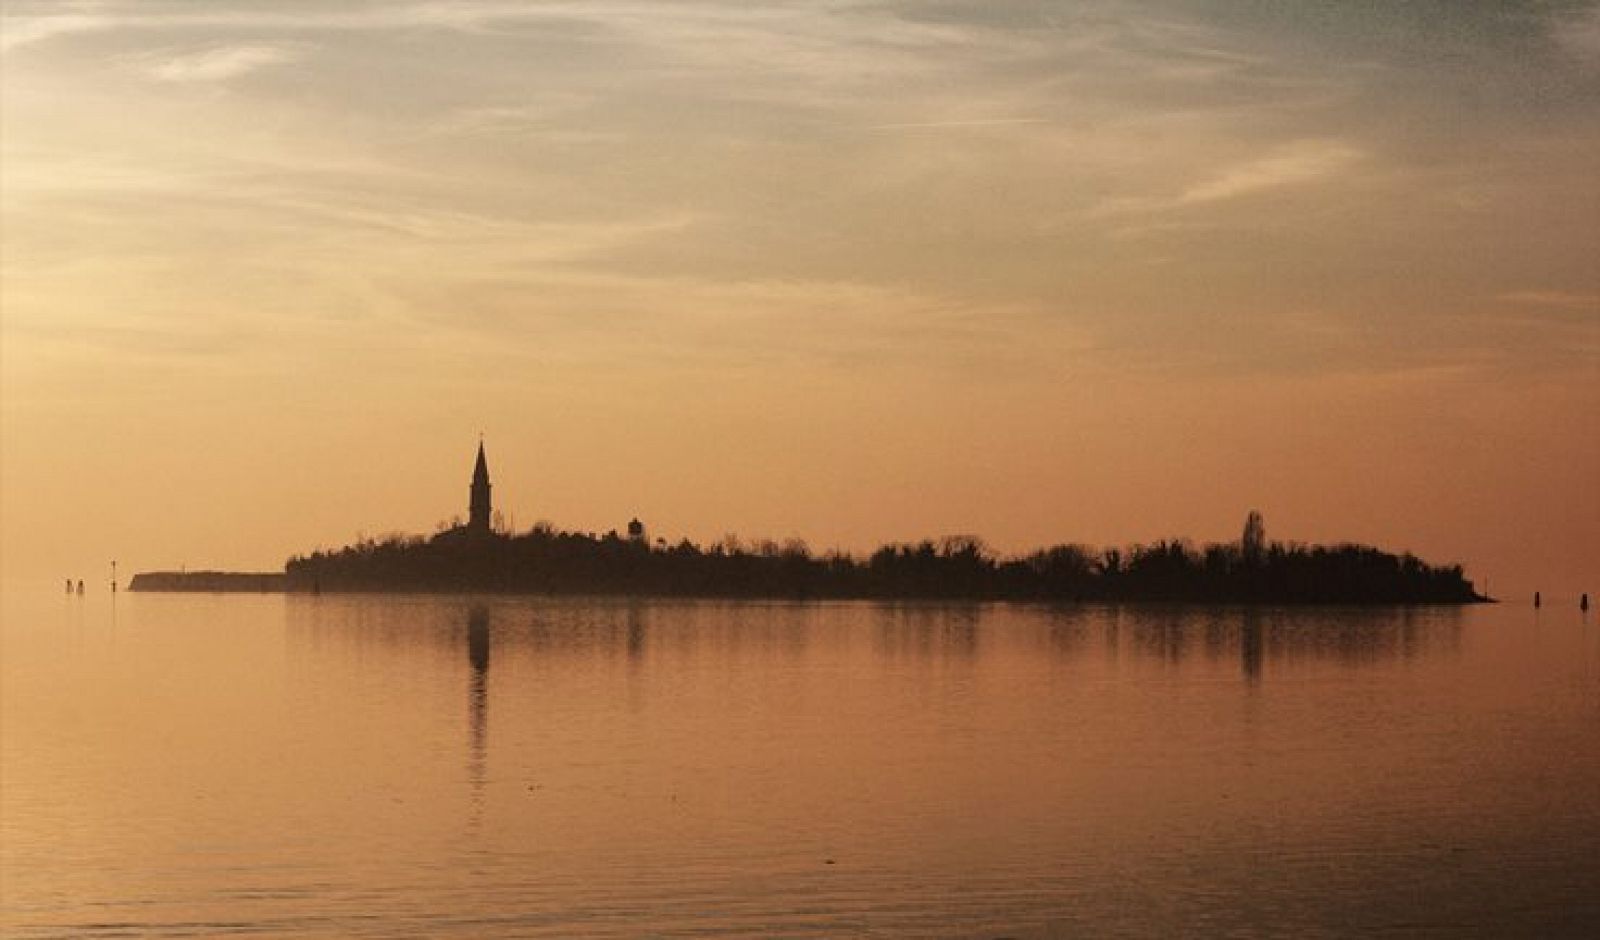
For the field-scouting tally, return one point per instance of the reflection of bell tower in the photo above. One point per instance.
(478, 508)
(477, 706)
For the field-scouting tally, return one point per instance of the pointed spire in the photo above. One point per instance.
(478, 507)
(480, 472)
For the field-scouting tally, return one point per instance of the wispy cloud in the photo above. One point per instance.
(19, 31)
(1297, 163)
(1565, 300)
(673, 319)
(992, 122)
(219, 64)
(1579, 34)
(1291, 165)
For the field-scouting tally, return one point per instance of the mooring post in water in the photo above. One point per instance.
(80, 587)
(113, 576)
(69, 585)
(1536, 600)
(1583, 602)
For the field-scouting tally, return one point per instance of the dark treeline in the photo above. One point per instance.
(545, 560)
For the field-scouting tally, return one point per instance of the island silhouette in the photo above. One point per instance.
(478, 556)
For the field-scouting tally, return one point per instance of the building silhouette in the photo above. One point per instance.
(478, 508)
(479, 526)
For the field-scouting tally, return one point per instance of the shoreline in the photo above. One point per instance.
(231, 582)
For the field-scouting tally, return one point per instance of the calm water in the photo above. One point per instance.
(200, 765)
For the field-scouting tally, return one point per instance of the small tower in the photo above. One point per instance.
(478, 511)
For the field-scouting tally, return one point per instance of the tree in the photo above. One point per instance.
(1253, 544)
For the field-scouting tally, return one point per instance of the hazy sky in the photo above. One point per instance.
(850, 271)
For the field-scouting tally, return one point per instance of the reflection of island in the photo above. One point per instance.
(476, 556)
(1258, 635)
(574, 635)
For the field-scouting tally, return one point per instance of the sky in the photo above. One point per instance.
(851, 272)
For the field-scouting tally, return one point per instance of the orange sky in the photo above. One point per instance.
(849, 272)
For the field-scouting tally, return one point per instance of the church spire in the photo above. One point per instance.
(478, 507)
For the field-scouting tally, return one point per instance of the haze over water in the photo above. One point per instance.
(366, 766)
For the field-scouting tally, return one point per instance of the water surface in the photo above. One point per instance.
(368, 766)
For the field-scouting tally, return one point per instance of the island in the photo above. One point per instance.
(477, 556)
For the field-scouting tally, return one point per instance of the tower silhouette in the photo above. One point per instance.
(478, 507)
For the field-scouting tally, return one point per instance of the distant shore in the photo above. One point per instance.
(240, 582)
(544, 561)
(233, 582)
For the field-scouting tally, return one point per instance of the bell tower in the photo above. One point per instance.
(478, 507)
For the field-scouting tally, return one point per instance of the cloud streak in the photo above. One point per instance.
(220, 64)
(1564, 300)
(19, 31)
(1295, 164)
(1579, 34)
(991, 122)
